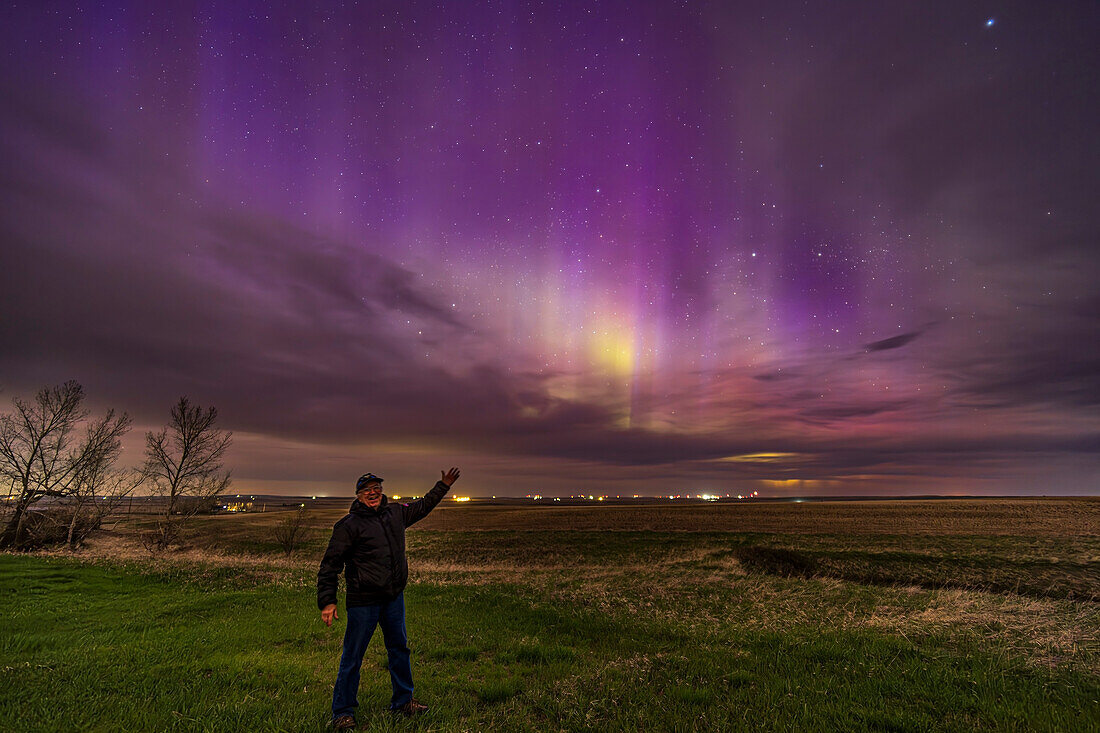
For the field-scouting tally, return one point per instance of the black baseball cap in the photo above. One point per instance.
(365, 479)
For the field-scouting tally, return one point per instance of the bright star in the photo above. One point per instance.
(989, 23)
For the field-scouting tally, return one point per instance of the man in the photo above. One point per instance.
(369, 546)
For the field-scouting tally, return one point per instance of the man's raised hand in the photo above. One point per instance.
(450, 477)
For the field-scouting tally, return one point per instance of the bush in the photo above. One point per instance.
(290, 531)
(45, 527)
(166, 531)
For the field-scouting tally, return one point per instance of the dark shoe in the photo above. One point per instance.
(344, 722)
(411, 708)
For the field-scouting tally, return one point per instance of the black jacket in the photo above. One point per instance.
(369, 546)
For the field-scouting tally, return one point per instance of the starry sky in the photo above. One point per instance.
(803, 248)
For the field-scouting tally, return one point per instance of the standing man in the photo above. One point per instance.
(369, 546)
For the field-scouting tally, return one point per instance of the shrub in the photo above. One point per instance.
(45, 527)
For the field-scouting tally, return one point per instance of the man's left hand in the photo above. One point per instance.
(450, 477)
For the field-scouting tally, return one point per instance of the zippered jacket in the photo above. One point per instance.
(368, 545)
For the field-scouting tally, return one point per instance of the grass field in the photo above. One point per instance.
(890, 616)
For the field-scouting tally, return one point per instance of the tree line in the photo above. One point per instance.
(52, 452)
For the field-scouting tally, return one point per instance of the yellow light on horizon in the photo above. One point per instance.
(761, 457)
(801, 483)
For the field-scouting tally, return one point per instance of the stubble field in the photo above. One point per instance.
(938, 615)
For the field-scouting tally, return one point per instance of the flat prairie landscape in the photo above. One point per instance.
(907, 615)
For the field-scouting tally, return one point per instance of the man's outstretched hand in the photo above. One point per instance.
(450, 477)
(328, 613)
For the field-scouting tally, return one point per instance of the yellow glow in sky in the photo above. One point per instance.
(761, 457)
(611, 349)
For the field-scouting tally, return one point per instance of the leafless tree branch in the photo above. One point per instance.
(42, 456)
(183, 463)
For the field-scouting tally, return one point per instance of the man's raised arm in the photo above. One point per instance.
(416, 510)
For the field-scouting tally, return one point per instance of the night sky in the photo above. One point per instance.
(627, 248)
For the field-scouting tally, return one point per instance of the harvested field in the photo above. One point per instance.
(832, 616)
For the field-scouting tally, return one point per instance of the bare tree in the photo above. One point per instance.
(183, 462)
(99, 490)
(290, 531)
(41, 454)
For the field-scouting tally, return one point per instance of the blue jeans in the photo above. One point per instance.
(361, 622)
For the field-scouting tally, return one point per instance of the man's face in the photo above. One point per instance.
(371, 494)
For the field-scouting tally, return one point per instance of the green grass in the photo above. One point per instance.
(550, 631)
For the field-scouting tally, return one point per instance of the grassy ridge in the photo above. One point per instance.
(560, 631)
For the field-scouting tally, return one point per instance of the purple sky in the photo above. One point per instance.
(800, 248)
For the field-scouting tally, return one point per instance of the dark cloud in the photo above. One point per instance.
(894, 342)
(276, 324)
(775, 376)
(826, 414)
(1059, 367)
(399, 289)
